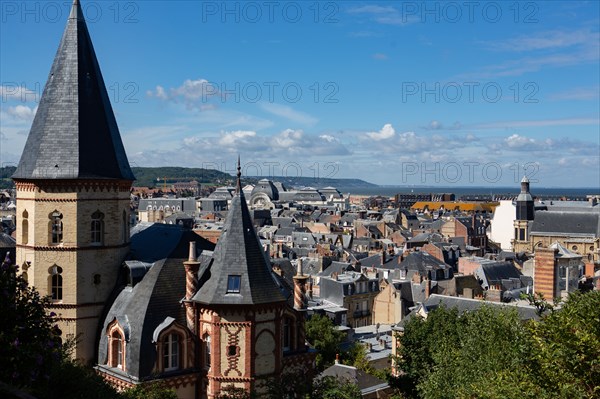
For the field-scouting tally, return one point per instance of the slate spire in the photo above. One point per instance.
(74, 134)
(239, 253)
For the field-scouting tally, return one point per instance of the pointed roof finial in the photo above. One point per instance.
(239, 176)
(75, 11)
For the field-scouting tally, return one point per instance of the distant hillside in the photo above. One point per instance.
(5, 173)
(156, 177)
(319, 182)
(152, 177)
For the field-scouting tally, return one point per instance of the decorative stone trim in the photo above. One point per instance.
(61, 248)
(71, 185)
(72, 199)
(74, 306)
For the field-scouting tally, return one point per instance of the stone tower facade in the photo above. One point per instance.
(73, 192)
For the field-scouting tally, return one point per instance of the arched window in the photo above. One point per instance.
(97, 228)
(116, 349)
(171, 352)
(25, 228)
(207, 351)
(56, 227)
(56, 282)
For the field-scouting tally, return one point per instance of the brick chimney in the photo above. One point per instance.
(545, 274)
(494, 293)
(191, 285)
(300, 280)
(427, 282)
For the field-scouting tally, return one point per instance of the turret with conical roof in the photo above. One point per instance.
(74, 133)
(240, 272)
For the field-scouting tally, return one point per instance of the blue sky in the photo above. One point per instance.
(397, 93)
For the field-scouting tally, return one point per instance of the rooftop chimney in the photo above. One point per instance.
(191, 285)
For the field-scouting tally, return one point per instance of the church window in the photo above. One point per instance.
(56, 282)
(97, 228)
(233, 283)
(25, 228)
(574, 247)
(56, 227)
(171, 352)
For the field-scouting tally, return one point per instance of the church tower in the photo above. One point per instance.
(524, 215)
(73, 188)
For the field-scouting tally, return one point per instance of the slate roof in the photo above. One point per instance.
(156, 288)
(569, 223)
(74, 133)
(494, 273)
(348, 374)
(422, 261)
(239, 252)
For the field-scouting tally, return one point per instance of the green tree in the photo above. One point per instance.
(325, 338)
(31, 352)
(231, 392)
(490, 359)
(149, 390)
(480, 354)
(29, 339)
(331, 388)
(422, 340)
(566, 347)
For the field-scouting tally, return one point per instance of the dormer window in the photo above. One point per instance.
(171, 352)
(233, 284)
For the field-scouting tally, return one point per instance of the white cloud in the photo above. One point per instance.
(520, 142)
(552, 39)
(194, 93)
(539, 123)
(22, 112)
(578, 93)
(289, 113)
(288, 139)
(236, 138)
(386, 132)
(372, 9)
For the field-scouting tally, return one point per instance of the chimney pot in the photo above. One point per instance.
(192, 255)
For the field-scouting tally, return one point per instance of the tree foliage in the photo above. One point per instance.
(491, 353)
(331, 388)
(566, 347)
(151, 390)
(29, 338)
(325, 338)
